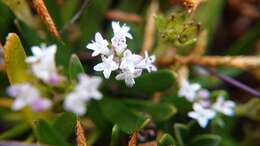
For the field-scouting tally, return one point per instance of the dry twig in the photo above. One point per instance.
(150, 26)
(123, 16)
(45, 16)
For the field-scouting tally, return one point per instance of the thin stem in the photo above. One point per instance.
(235, 83)
(76, 16)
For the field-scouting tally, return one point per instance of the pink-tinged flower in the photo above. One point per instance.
(129, 76)
(225, 107)
(27, 95)
(130, 61)
(43, 62)
(188, 90)
(201, 114)
(99, 46)
(107, 66)
(147, 63)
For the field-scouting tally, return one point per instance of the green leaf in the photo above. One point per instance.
(65, 124)
(206, 140)
(158, 111)
(115, 136)
(166, 140)
(48, 135)
(6, 19)
(16, 131)
(14, 57)
(182, 133)
(117, 113)
(251, 109)
(210, 20)
(55, 12)
(146, 83)
(75, 67)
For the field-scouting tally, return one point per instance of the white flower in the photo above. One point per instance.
(130, 61)
(89, 86)
(121, 32)
(129, 76)
(188, 90)
(74, 103)
(26, 94)
(147, 63)
(43, 62)
(225, 107)
(119, 38)
(99, 46)
(203, 98)
(85, 90)
(107, 66)
(201, 115)
(119, 44)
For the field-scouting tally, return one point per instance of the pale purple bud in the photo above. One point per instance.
(203, 94)
(39, 104)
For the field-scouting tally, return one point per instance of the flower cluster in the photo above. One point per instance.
(204, 110)
(116, 56)
(44, 68)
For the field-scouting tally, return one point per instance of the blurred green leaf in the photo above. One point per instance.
(48, 135)
(182, 134)
(68, 9)
(75, 67)
(6, 18)
(146, 83)
(16, 131)
(166, 140)
(29, 35)
(243, 44)
(206, 140)
(127, 120)
(65, 124)
(251, 109)
(158, 111)
(208, 14)
(55, 12)
(91, 19)
(14, 56)
(115, 136)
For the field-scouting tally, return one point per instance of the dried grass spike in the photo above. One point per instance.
(45, 16)
(81, 140)
(133, 139)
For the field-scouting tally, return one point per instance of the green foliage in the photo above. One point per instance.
(178, 29)
(115, 136)
(14, 56)
(47, 134)
(16, 131)
(251, 109)
(158, 112)
(182, 134)
(75, 67)
(146, 83)
(65, 123)
(206, 140)
(118, 113)
(166, 140)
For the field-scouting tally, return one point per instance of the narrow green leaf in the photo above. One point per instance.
(117, 113)
(14, 57)
(206, 140)
(48, 135)
(55, 12)
(182, 133)
(115, 136)
(65, 124)
(166, 140)
(16, 131)
(75, 67)
(158, 111)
